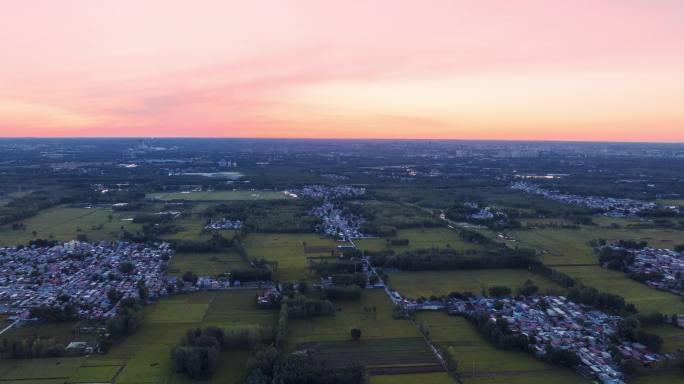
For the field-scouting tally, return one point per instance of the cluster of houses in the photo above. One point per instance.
(558, 322)
(663, 268)
(81, 274)
(610, 206)
(223, 224)
(334, 176)
(324, 192)
(336, 223)
(484, 213)
(551, 321)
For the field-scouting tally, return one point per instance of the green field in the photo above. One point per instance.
(206, 264)
(377, 355)
(418, 238)
(414, 378)
(289, 250)
(145, 356)
(40, 371)
(571, 246)
(374, 325)
(416, 284)
(219, 196)
(644, 297)
(65, 224)
(673, 337)
(387, 344)
(665, 376)
(480, 362)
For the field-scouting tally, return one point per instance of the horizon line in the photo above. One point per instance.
(338, 139)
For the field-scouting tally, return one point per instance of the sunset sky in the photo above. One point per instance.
(543, 70)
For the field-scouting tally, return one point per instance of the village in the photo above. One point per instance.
(82, 274)
(662, 269)
(223, 224)
(610, 206)
(336, 223)
(551, 322)
(323, 192)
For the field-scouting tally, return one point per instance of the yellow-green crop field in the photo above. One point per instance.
(289, 250)
(65, 223)
(438, 283)
(145, 357)
(220, 196)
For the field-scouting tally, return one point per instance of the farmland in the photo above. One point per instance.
(438, 283)
(289, 251)
(645, 298)
(388, 345)
(219, 196)
(415, 378)
(418, 238)
(480, 362)
(571, 246)
(377, 324)
(65, 223)
(145, 356)
(206, 264)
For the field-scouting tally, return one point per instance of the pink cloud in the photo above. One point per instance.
(228, 68)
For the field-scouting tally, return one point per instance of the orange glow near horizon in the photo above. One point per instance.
(607, 70)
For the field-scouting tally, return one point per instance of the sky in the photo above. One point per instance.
(596, 70)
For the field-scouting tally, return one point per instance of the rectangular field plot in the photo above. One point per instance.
(673, 337)
(64, 224)
(289, 250)
(220, 196)
(374, 324)
(377, 355)
(571, 246)
(438, 283)
(96, 373)
(644, 297)
(205, 264)
(480, 362)
(413, 378)
(419, 238)
(146, 355)
(49, 370)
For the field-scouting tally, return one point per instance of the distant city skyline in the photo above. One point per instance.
(446, 69)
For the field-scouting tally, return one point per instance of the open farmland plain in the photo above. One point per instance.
(66, 223)
(145, 356)
(645, 298)
(206, 264)
(220, 196)
(480, 362)
(387, 345)
(441, 283)
(289, 251)
(571, 246)
(419, 238)
(413, 378)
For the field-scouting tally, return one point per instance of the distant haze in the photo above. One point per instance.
(545, 70)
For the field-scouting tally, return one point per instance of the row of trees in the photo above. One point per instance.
(198, 352)
(33, 347)
(343, 292)
(303, 307)
(269, 365)
(580, 293)
(450, 259)
(630, 328)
